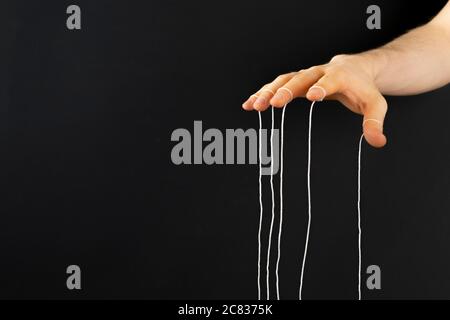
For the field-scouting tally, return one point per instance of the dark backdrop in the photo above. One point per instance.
(88, 178)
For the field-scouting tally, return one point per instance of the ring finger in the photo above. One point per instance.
(268, 91)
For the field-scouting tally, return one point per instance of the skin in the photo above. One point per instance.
(417, 62)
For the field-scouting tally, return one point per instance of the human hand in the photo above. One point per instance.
(349, 79)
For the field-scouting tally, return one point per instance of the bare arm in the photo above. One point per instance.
(416, 62)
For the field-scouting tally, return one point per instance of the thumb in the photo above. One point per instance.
(373, 122)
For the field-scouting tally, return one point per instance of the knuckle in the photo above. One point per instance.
(364, 105)
(337, 75)
(325, 79)
(314, 69)
(336, 71)
(338, 58)
(267, 90)
(383, 104)
(279, 78)
(282, 77)
(298, 76)
(374, 101)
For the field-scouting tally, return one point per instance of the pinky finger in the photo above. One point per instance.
(248, 105)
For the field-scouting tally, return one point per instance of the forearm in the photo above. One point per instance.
(416, 62)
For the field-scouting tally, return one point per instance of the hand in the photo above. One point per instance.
(350, 79)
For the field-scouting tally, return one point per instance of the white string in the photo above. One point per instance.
(273, 207)
(309, 199)
(359, 216)
(281, 206)
(281, 202)
(260, 207)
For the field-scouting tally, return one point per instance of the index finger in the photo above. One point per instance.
(298, 86)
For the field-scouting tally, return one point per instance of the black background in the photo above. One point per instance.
(88, 177)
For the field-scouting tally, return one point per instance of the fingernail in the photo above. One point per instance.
(259, 102)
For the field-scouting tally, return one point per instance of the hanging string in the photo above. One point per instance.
(281, 205)
(281, 202)
(359, 216)
(273, 207)
(309, 199)
(380, 123)
(260, 206)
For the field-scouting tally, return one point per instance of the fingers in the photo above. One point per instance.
(374, 114)
(284, 89)
(350, 86)
(258, 101)
(297, 86)
(262, 102)
(248, 105)
(263, 96)
(328, 85)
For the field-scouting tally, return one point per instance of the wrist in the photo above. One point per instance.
(373, 62)
(370, 63)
